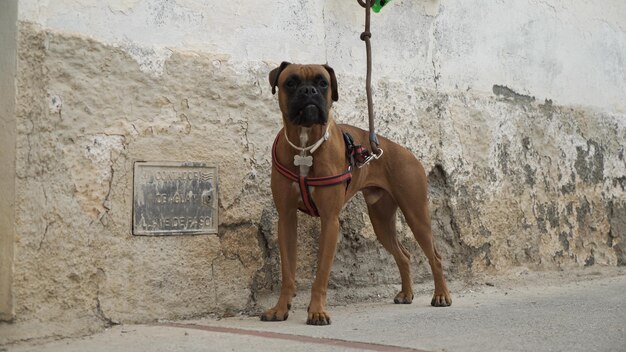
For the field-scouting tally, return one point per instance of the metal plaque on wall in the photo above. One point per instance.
(171, 198)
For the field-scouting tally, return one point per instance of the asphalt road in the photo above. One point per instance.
(574, 313)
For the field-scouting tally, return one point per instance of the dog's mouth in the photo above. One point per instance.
(310, 115)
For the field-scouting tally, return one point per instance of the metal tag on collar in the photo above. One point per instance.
(303, 160)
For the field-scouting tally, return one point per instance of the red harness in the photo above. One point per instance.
(306, 182)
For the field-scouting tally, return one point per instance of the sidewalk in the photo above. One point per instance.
(586, 314)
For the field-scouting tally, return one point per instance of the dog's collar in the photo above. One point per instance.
(305, 182)
(312, 148)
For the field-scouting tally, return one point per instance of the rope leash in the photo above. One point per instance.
(365, 36)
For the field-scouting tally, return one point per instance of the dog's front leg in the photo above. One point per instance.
(287, 244)
(325, 256)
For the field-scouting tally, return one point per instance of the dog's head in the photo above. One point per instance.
(305, 92)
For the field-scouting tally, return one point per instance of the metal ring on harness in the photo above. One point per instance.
(371, 157)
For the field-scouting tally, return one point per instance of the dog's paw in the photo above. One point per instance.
(403, 298)
(275, 314)
(318, 318)
(441, 300)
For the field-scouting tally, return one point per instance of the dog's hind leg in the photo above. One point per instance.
(413, 201)
(382, 210)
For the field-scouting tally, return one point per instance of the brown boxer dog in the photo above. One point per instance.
(310, 150)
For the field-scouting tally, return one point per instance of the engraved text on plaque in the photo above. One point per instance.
(174, 198)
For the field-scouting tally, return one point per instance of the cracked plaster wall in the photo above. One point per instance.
(515, 180)
(8, 41)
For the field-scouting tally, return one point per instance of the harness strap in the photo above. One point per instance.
(309, 204)
(356, 153)
(305, 182)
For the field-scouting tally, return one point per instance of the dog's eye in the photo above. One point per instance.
(323, 84)
(290, 84)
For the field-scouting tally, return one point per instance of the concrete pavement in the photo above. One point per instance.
(584, 311)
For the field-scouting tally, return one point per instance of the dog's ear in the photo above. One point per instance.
(333, 82)
(275, 73)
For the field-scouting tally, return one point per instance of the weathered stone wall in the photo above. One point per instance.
(8, 43)
(514, 180)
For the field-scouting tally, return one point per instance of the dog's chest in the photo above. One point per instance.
(303, 160)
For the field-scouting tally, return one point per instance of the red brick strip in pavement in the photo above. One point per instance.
(364, 346)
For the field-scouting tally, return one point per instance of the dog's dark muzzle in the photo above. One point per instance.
(308, 107)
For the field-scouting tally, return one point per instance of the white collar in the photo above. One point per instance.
(312, 148)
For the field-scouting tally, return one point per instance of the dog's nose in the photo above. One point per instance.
(307, 91)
